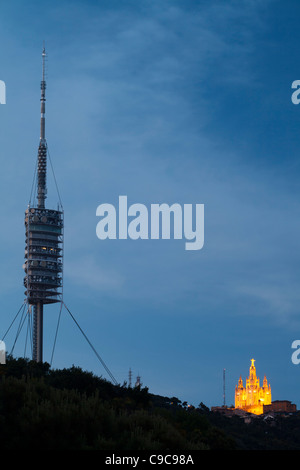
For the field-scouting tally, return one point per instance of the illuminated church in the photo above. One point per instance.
(252, 397)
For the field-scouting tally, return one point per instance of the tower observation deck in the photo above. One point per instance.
(44, 242)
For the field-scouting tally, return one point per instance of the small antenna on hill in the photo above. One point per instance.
(224, 394)
(130, 377)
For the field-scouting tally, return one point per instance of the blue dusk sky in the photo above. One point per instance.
(165, 102)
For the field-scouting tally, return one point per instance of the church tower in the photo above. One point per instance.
(252, 397)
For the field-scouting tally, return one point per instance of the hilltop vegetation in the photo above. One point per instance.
(72, 409)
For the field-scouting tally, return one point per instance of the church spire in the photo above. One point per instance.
(252, 375)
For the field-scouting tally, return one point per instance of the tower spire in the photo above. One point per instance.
(42, 152)
(43, 95)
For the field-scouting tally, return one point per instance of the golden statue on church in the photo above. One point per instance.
(252, 398)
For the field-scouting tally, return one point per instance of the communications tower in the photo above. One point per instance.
(44, 242)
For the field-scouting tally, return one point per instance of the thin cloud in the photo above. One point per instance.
(87, 273)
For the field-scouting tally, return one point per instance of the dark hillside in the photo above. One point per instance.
(72, 409)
